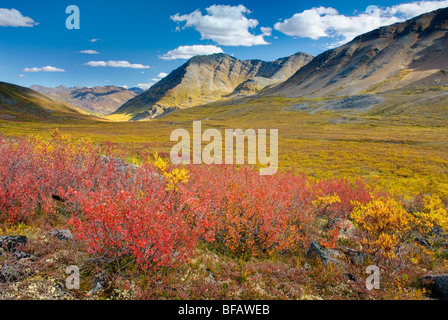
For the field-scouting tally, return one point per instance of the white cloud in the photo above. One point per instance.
(116, 64)
(21, 76)
(414, 9)
(321, 22)
(94, 40)
(153, 81)
(13, 18)
(89, 52)
(145, 86)
(187, 52)
(266, 31)
(43, 69)
(224, 24)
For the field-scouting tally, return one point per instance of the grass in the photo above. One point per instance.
(395, 145)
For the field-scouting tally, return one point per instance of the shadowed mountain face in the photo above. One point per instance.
(205, 79)
(20, 103)
(98, 100)
(413, 53)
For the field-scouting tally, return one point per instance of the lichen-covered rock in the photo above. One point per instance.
(11, 243)
(326, 255)
(10, 273)
(356, 257)
(99, 285)
(20, 255)
(63, 234)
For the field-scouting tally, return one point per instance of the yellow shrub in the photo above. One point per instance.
(384, 225)
(434, 214)
(173, 177)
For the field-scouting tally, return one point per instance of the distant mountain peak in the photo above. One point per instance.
(101, 100)
(208, 78)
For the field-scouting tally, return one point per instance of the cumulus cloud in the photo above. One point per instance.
(157, 78)
(13, 18)
(116, 64)
(89, 52)
(321, 22)
(145, 86)
(43, 69)
(187, 52)
(413, 9)
(224, 24)
(266, 31)
(94, 40)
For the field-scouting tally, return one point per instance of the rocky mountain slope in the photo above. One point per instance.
(98, 100)
(20, 103)
(205, 79)
(411, 54)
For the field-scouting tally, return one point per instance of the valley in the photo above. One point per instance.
(87, 179)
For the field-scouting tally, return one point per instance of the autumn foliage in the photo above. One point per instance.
(154, 214)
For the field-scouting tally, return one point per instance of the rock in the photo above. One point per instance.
(423, 242)
(356, 257)
(324, 254)
(346, 226)
(63, 234)
(99, 285)
(350, 277)
(10, 243)
(439, 233)
(19, 255)
(59, 290)
(10, 273)
(119, 164)
(438, 285)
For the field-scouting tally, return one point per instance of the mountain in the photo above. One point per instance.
(20, 103)
(97, 100)
(208, 78)
(137, 90)
(411, 54)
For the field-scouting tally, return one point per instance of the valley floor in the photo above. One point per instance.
(402, 156)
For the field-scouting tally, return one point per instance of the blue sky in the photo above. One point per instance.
(137, 42)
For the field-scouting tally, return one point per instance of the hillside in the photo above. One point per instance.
(206, 79)
(19, 103)
(98, 100)
(411, 54)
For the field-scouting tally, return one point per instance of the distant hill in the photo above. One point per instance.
(20, 103)
(99, 100)
(209, 78)
(412, 54)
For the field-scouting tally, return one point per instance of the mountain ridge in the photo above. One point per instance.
(21, 103)
(101, 100)
(204, 79)
(396, 55)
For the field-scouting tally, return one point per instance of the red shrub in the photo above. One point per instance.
(122, 210)
(348, 192)
(249, 214)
